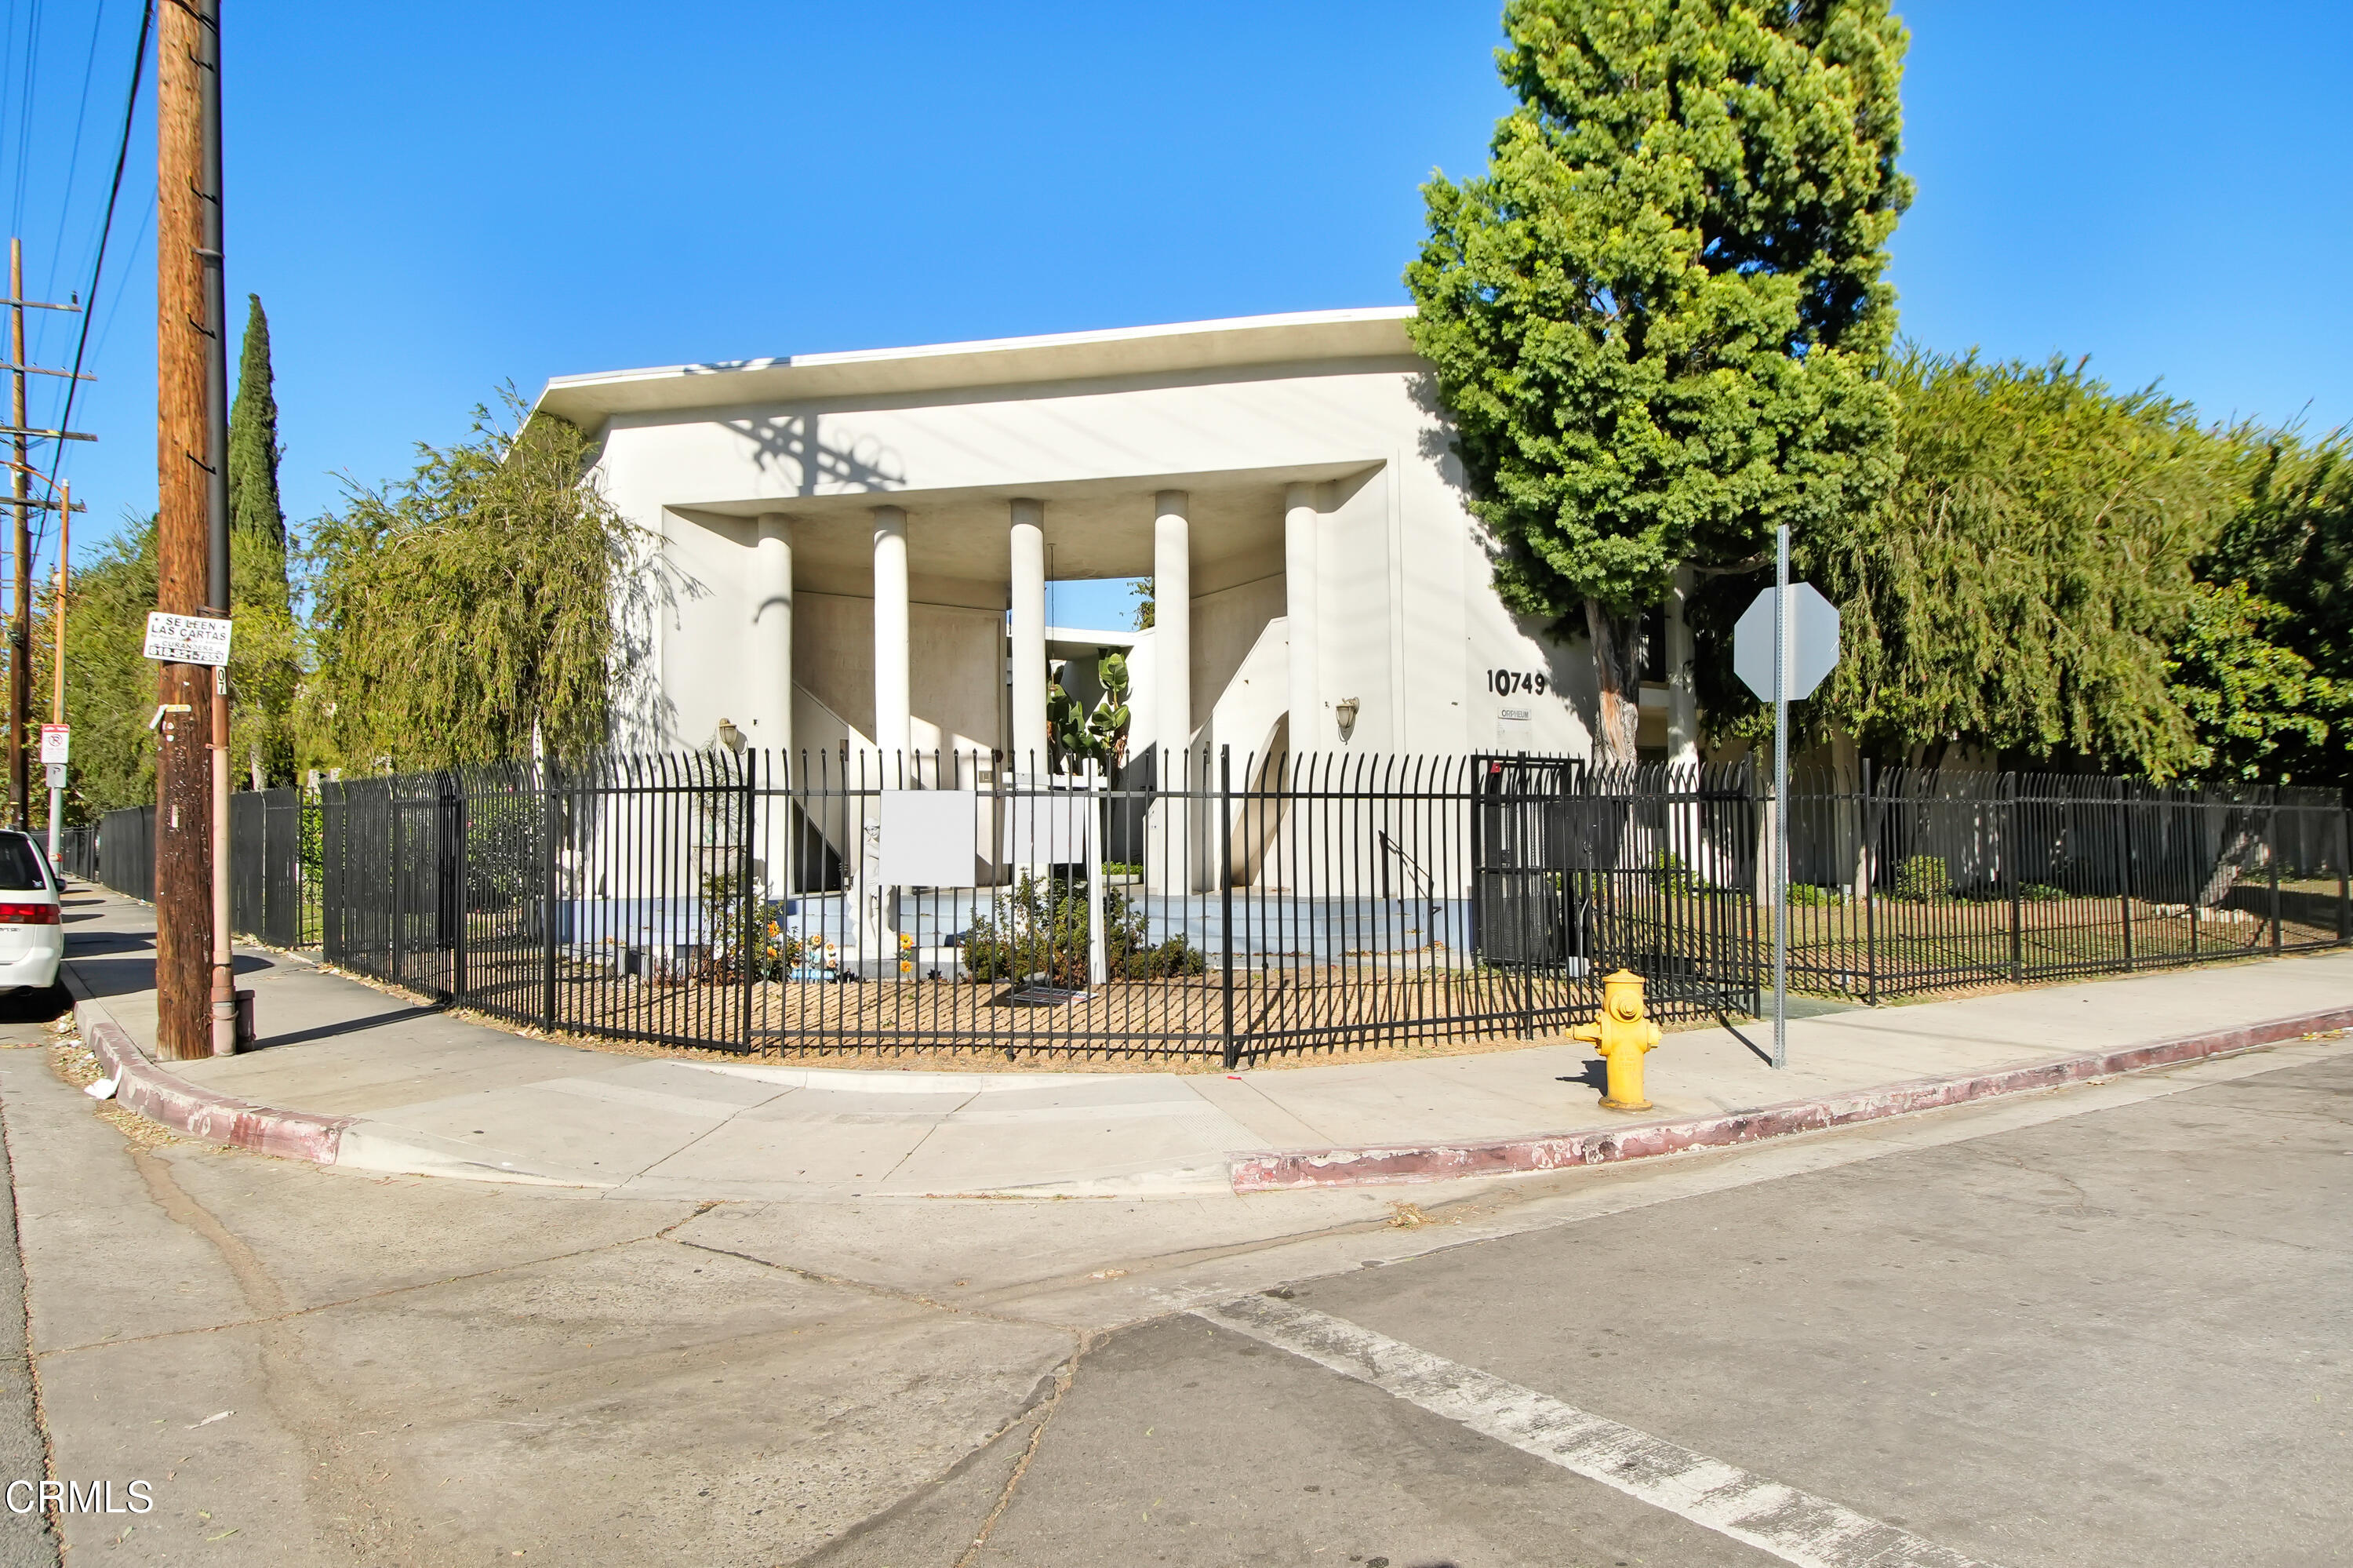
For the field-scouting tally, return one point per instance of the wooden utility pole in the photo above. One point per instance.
(57, 661)
(21, 500)
(65, 560)
(189, 466)
(20, 626)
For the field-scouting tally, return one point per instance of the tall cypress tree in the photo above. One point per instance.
(265, 666)
(256, 521)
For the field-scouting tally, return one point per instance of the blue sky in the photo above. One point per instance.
(436, 199)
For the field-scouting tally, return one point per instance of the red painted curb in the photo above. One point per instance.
(1443, 1162)
(171, 1101)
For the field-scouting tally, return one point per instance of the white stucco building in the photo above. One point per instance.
(859, 545)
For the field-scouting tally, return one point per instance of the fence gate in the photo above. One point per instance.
(1524, 910)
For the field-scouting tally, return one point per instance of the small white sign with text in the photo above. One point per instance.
(186, 639)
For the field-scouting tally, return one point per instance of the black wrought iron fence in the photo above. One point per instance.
(1207, 905)
(273, 895)
(124, 853)
(78, 853)
(1650, 869)
(273, 860)
(1904, 881)
(1179, 905)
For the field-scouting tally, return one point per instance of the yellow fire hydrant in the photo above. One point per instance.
(1622, 1036)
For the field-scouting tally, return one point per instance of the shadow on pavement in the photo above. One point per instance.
(1594, 1074)
(114, 976)
(110, 976)
(35, 1004)
(78, 944)
(343, 1026)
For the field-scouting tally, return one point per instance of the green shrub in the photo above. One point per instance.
(1039, 931)
(1670, 873)
(2038, 892)
(775, 951)
(1813, 897)
(1923, 878)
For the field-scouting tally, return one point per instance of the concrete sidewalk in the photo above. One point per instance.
(353, 1077)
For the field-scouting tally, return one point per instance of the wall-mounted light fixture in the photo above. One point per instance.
(1345, 711)
(730, 736)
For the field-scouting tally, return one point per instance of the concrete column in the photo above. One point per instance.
(771, 654)
(771, 635)
(1300, 516)
(893, 704)
(1028, 637)
(1683, 696)
(1687, 837)
(1172, 625)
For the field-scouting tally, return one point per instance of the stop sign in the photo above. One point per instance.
(1813, 648)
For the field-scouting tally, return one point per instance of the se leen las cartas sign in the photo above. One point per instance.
(186, 639)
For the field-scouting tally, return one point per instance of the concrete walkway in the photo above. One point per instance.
(354, 1078)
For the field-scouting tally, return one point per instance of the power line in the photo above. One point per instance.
(106, 228)
(73, 159)
(8, 67)
(24, 113)
(123, 278)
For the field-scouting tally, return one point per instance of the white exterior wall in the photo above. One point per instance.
(1409, 625)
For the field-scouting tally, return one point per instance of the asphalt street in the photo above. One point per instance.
(2115, 1337)
(2099, 1326)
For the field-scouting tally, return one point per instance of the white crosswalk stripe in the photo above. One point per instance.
(1794, 1526)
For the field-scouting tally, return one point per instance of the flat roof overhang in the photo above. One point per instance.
(1095, 527)
(1375, 332)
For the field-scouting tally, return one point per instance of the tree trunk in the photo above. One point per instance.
(1618, 675)
(2244, 848)
(253, 764)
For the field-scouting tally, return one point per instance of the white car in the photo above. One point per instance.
(32, 924)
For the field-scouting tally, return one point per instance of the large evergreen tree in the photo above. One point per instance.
(266, 663)
(2265, 670)
(2022, 585)
(1655, 318)
(110, 684)
(2259, 712)
(255, 514)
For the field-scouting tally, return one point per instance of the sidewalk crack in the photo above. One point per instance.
(1064, 1376)
(885, 1292)
(963, 1105)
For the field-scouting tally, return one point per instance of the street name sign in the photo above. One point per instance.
(1813, 648)
(186, 639)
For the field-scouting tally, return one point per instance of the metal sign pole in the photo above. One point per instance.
(57, 773)
(1786, 659)
(1780, 878)
(1098, 959)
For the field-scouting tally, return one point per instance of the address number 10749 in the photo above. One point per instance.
(1512, 683)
